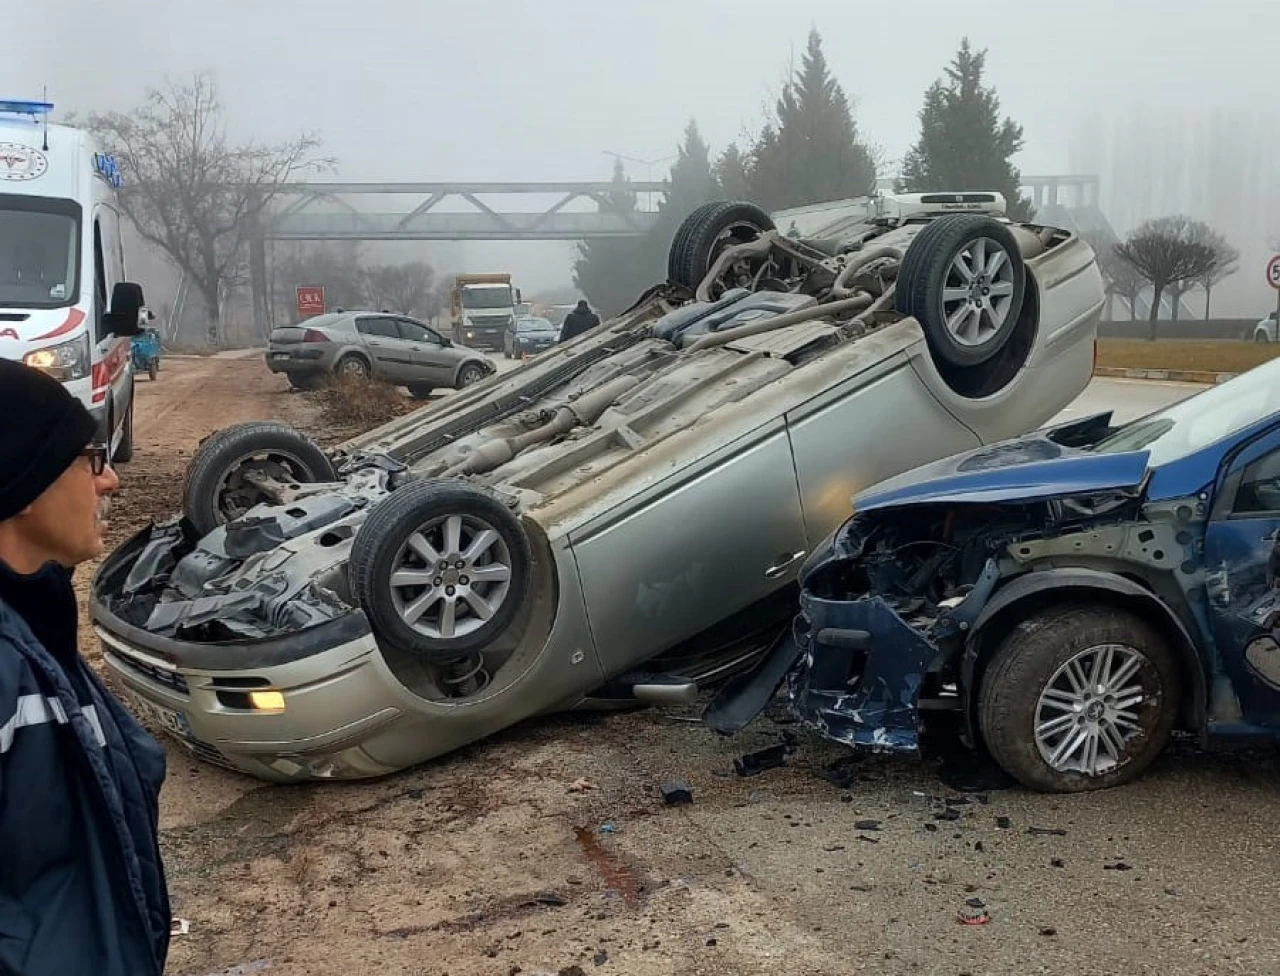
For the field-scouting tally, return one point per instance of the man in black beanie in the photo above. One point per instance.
(82, 885)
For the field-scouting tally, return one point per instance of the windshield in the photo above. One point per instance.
(489, 296)
(535, 325)
(1201, 420)
(39, 252)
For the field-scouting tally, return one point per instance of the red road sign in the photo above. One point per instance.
(310, 300)
(1273, 272)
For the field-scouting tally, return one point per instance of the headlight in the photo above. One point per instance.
(65, 361)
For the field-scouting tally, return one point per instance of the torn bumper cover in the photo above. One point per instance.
(860, 672)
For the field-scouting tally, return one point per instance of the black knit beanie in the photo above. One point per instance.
(42, 429)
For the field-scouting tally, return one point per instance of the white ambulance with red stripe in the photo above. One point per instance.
(65, 304)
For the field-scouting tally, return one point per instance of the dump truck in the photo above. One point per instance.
(481, 307)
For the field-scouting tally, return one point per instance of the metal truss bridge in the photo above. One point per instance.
(427, 211)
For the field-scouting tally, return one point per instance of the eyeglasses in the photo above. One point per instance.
(98, 455)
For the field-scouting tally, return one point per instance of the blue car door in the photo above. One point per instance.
(1242, 563)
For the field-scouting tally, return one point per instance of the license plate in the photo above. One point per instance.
(166, 718)
(279, 355)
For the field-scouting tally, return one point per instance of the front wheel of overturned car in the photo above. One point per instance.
(226, 471)
(706, 232)
(440, 569)
(1081, 698)
(963, 279)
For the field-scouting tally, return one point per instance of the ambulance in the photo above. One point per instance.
(66, 306)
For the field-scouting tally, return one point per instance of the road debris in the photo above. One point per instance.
(581, 785)
(867, 825)
(179, 926)
(1003, 823)
(755, 763)
(974, 916)
(675, 792)
(1046, 832)
(1118, 866)
(1057, 862)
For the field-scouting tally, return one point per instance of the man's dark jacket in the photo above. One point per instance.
(82, 886)
(577, 322)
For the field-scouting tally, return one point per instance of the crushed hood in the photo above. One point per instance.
(1030, 468)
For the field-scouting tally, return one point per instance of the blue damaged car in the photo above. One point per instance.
(1073, 596)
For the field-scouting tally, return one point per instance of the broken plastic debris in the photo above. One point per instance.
(179, 926)
(974, 916)
(755, 763)
(675, 792)
(867, 825)
(1047, 831)
(1004, 823)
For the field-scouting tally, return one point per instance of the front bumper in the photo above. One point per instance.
(336, 701)
(860, 672)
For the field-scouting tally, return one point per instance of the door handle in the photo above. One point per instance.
(780, 567)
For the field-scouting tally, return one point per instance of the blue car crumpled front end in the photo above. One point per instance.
(867, 665)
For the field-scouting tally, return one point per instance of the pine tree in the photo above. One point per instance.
(731, 173)
(606, 269)
(963, 143)
(811, 152)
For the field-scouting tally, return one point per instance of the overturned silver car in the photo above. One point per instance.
(619, 520)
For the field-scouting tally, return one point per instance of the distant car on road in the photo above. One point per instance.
(527, 336)
(374, 345)
(1265, 330)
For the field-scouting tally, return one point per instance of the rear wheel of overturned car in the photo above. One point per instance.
(1077, 699)
(963, 279)
(440, 569)
(706, 232)
(225, 474)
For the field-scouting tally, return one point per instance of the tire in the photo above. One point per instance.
(419, 391)
(306, 381)
(1261, 336)
(1029, 662)
(353, 367)
(214, 492)
(705, 232)
(382, 549)
(931, 267)
(469, 375)
(124, 451)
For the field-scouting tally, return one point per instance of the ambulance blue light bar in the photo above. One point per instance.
(12, 106)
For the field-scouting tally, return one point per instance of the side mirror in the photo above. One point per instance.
(127, 308)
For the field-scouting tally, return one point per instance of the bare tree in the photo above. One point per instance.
(1121, 278)
(1226, 263)
(404, 288)
(188, 190)
(1168, 251)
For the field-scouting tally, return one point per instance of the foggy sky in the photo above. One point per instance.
(539, 90)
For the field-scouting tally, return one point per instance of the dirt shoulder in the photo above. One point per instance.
(1207, 356)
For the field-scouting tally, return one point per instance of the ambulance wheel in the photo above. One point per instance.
(124, 450)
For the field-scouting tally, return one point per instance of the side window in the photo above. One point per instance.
(1259, 491)
(99, 282)
(417, 332)
(383, 328)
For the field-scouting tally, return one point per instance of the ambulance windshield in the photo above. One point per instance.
(39, 252)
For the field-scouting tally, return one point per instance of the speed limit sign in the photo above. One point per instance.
(1273, 272)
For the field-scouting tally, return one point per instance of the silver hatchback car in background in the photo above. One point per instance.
(618, 519)
(373, 345)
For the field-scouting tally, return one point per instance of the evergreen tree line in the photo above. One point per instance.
(810, 150)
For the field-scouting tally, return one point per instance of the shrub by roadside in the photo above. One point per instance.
(351, 406)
